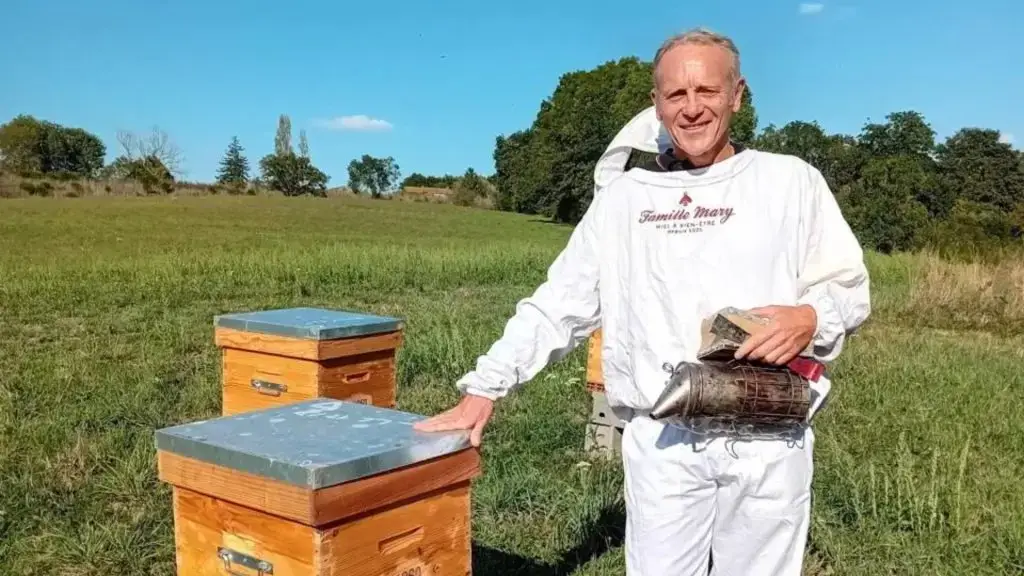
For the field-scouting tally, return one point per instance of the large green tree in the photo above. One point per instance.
(31, 147)
(883, 209)
(376, 176)
(292, 175)
(975, 166)
(904, 133)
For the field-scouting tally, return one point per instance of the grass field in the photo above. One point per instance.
(106, 308)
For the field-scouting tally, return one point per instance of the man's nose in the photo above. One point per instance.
(691, 107)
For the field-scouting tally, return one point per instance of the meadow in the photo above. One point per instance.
(106, 334)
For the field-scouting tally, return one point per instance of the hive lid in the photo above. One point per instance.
(313, 443)
(309, 323)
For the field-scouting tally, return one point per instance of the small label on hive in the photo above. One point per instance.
(361, 398)
(416, 570)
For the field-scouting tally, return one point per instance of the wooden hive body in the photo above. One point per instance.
(604, 428)
(276, 357)
(317, 488)
(595, 376)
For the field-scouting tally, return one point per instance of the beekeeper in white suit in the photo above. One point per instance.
(709, 224)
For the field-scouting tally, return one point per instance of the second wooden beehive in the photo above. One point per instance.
(282, 356)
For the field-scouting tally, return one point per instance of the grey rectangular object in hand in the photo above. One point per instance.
(314, 443)
(309, 323)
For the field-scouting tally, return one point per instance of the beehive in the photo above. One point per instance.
(604, 428)
(595, 378)
(316, 488)
(276, 357)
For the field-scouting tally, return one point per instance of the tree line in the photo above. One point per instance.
(898, 186)
(34, 148)
(31, 147)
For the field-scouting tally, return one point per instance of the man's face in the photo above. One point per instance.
(695, 97)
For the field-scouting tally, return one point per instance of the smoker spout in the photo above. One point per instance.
(677, 398)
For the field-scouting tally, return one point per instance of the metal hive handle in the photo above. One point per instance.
(228, 556)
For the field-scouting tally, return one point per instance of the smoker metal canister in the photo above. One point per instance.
(734, 392)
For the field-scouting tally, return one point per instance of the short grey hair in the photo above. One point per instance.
(703, 37)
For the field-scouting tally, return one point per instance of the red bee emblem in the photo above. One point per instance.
(685, 200)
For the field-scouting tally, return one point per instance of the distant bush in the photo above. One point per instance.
(470, 189)
(34, 188)
(974, 231)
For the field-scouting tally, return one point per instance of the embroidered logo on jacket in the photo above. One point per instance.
(685, 219)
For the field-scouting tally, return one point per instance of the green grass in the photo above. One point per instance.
(106, 309)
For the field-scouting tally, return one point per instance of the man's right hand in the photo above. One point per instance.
(471, 413)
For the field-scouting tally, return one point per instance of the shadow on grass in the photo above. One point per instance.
(542, 220)
(606, 533)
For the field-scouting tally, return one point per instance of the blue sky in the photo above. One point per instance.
(433, 83)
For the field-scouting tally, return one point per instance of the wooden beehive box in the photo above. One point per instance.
(595, 377)
(317, 488)
(276, 357)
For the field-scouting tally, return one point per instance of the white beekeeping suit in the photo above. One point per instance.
(656, 252)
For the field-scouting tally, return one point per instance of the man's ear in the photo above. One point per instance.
(737, 101)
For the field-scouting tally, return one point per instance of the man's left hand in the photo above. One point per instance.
(788, 333)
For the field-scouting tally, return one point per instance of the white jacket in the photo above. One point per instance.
(657, 252)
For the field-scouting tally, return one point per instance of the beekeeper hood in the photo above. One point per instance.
(642, 133)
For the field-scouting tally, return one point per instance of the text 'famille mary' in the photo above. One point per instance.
(685, 217)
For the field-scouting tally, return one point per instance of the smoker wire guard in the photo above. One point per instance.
(733, 426)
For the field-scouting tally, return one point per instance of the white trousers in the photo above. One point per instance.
(746, 503)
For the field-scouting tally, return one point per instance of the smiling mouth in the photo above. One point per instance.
(696, 127)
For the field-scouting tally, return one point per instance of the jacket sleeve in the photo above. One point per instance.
(550, 323)
(833, 277)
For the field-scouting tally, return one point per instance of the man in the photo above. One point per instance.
(709, 224)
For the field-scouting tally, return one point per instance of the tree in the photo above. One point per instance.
(288, 173)
(283, 138)
(743, 126)
(903, 134)
(521, 162)
(153, 160)
(883, 208)
(976, 166)
(548, 168)
(21, 148)
(234, 167)
(148, 171)
(374, 175)
(293, 175)
(836, 156)
(806, 140)
(29, 146)
(157, 144)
